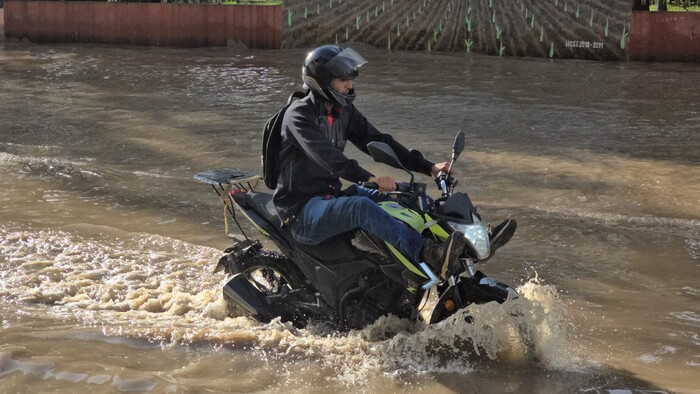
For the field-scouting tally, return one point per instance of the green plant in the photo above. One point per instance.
(684, 8)
(468, 45)
(607, 26)
(623, 38)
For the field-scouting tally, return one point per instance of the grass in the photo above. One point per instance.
(252, 2)
(675, 8)
(689, 9)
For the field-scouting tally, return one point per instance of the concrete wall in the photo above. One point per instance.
(665, 36)
(183, 25)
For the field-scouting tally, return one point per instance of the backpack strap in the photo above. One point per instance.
(297, 95)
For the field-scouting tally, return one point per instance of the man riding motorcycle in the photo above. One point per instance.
(309, 198)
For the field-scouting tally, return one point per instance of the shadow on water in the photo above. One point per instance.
(528, 379)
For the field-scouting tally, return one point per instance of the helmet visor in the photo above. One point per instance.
(344, 65)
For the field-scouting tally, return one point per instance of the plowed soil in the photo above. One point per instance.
(585, 29)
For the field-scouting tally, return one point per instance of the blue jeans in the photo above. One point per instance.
(321, 219)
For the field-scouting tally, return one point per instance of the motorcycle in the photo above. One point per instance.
(352, 279)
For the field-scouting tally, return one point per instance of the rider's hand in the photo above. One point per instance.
(440, 167)
(384, 183)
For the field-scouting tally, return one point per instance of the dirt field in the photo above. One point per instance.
(588, 29)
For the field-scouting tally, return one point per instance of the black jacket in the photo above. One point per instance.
(311, 153)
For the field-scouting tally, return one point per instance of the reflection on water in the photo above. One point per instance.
(107, 244)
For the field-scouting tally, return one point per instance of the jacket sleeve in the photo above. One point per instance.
(361, 132)
(308, 137)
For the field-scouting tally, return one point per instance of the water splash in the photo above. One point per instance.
(161, 290)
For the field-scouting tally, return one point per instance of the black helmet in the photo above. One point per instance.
(327, 62)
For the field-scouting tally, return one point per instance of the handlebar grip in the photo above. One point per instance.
(375, 186)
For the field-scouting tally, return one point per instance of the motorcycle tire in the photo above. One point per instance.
(269, 272)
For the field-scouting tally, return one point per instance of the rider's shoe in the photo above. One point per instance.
(440, 256)
(501, 234)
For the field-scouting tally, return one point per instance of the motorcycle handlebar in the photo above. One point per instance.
(445, 182)
(375, 186)
(403, 188)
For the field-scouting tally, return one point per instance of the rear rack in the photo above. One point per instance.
(228, 182)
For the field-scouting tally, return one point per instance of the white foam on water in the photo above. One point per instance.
(658, 356)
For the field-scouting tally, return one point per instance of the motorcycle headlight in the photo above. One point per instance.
(477, 235)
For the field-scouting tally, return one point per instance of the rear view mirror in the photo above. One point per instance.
(458, 146)
(383, 153)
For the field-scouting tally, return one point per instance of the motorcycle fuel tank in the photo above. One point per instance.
(410, 217)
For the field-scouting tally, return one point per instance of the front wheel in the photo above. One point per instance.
(479, 289)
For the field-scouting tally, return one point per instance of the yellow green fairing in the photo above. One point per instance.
(415, 221)
(412, 218)
(435, 228)
(405, 261)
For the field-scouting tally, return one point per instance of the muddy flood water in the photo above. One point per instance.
(107, 243)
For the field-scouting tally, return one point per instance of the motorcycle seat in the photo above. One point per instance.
(263, 205)
(334, 249)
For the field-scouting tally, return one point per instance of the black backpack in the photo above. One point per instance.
(272, 137)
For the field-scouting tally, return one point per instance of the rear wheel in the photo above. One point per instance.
(267, 285)
(268, 272)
